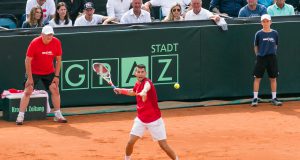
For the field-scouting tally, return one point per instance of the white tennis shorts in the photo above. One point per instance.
(156, 128)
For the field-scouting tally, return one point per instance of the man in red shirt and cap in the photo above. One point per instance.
(39, 67)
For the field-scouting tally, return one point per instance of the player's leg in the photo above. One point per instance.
(55, 97)
(129, 146)
(158, 132)
(273, 73)
(169, 151)
(258, 73)
(28, 89)
(136, 133)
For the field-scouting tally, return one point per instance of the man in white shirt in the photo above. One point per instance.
(117, 8)
(199, 13)
(89, 18)
(48, 7)
(166, 5)
(136, 14)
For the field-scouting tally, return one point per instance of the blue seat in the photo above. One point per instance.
(8, 21)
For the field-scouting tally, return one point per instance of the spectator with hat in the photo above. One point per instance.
(89, 18)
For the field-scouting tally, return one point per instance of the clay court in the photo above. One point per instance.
(231, 132)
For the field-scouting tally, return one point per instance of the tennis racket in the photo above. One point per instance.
(104, 73)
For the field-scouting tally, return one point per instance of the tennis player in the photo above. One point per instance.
(148, 113)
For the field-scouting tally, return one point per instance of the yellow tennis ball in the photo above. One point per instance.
(176, 85)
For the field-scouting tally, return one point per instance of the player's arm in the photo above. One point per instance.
(256, 50)
(57, 70)
(28, 71)
(143, 93)
(124, 91)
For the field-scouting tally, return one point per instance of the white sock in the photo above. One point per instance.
(127, 157)
(255, 94)
(21, 114)
(57, 113)
(273, 95)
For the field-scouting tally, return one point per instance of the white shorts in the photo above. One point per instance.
(156, 128)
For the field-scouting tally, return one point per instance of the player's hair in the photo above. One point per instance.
(141, 66)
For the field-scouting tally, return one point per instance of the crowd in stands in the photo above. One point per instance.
(66, 13)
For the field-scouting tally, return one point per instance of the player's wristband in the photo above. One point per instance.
(124, 91)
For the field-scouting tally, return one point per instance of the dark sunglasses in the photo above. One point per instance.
(178, 10)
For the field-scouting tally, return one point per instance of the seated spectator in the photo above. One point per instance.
(295, 4)
(266, 3)
(48, 8)
(35, 18)
(174, 14)
(117, 8)
(199, 13)
(252, 9)
(280, 8)
(166, 5)
(61, 18)
(74, 7)
(227, 7)
(89, 18)
(136, 14)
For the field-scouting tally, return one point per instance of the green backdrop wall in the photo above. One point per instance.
(206, 61)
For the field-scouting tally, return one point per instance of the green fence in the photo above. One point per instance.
(206, 61)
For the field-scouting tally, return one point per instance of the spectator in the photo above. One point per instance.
(48, 8)
(280, 8)
(227, 7)
(117, 8)
(174, 14)
(166, 5)
(295, 4)
(199, 13)
(74, 7)
(266, 3)
(89, 18)
(136, 14)
(252, 9)
(35, 18)
(61, 18)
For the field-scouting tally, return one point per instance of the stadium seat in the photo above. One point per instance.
(8, 21)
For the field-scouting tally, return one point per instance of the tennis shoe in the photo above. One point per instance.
(59, 118)
(276, 102)
(20, 120)
(254, 102)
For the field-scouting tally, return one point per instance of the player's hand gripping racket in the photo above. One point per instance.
(103, 72)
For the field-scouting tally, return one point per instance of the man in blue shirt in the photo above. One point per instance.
(227, 7)
(252, 9)
(265, 47)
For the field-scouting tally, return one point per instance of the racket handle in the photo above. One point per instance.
(113, 86)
